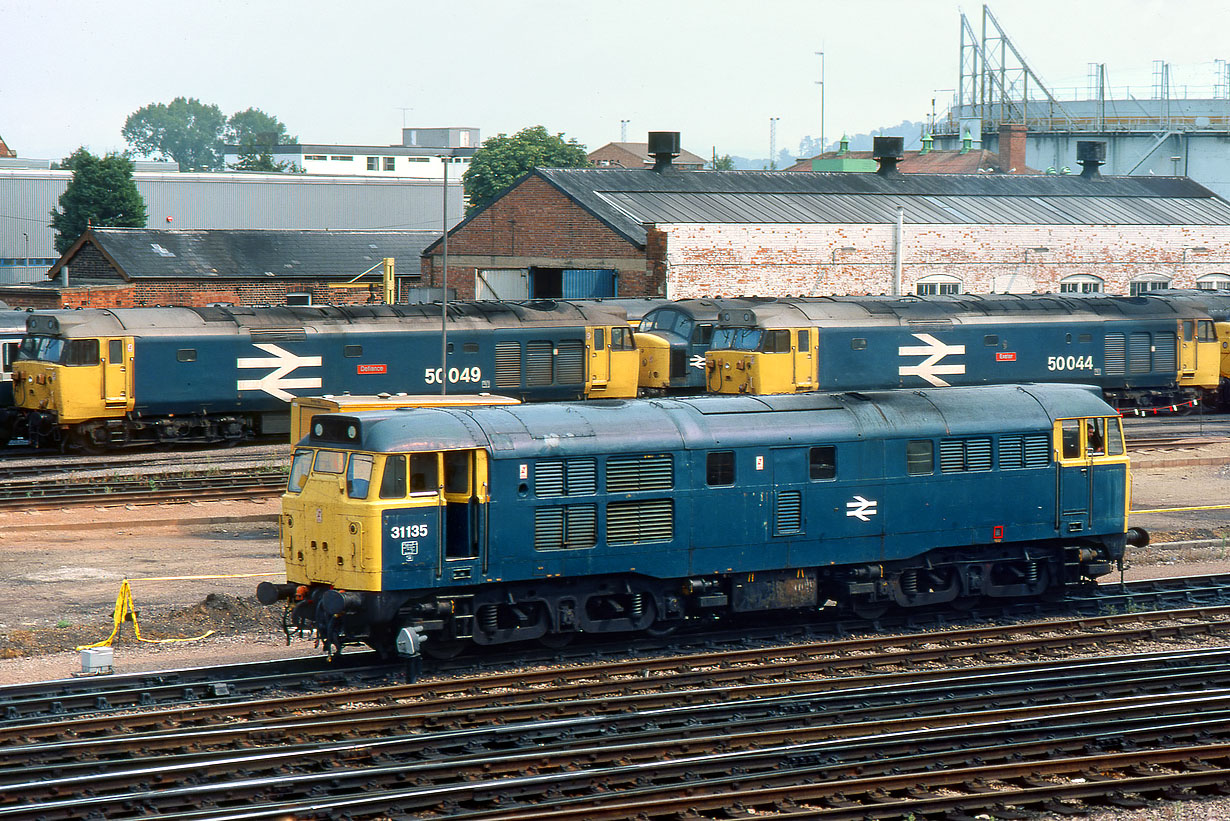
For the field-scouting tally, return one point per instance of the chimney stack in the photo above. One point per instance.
(1090, 154)
(663, 147)
(1012, 148)
(887, 151)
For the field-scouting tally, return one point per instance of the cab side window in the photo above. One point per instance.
(1070, 438)
(423, 473)
(393, 484)
(777, 341)
(81, 352)
(115, 351)
(621, 339)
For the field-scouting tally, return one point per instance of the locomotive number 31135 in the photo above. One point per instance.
(418, 531)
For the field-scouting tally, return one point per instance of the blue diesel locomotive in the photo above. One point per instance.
(492, 525)
(1140, 350)
(110, 378)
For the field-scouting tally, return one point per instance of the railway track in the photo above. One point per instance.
(777, 731)
(160, 487)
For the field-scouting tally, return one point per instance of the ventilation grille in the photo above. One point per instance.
(1011, 452)
(789, 512)
(1116, 355)
(643, 521)
(570, 362)
(1166, 354)
(508, 364)
(1139, 359)
(965, 455)
(1037, 450)
(277, 334)
(565, 528)
(538, 356)
(576, 477)
(628, 474)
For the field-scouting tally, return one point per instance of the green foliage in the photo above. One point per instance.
(723, 163)
(502, 159)
(185, 130)
(101, 192)
(255, 133)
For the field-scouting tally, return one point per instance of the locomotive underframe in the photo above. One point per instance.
(135, 430)
(552, 610)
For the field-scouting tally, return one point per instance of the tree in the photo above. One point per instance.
(255, 133)
(185, 130)
(101, 192)
(723, 163)
(502, 159)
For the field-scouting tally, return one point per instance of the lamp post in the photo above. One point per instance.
(444, 283)
(820, 54)
(773, 143)
(623, 130)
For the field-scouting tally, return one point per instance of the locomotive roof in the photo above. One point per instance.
(89, 322)
(549, 429)
(959, 309)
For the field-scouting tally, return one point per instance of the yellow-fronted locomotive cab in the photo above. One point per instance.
(763, 361)
(65, 383)
(655, 362)
(613, 362)
(355, 522)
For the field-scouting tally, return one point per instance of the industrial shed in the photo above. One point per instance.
(596, 232)
(136, 267)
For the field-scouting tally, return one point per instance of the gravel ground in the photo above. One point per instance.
(62, 572)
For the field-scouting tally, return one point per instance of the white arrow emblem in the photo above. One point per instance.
(275, 382)
(698, 361)
(862, 509)
(929, 369)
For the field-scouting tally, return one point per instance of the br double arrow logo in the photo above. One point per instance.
(930, 368)
(283, 363)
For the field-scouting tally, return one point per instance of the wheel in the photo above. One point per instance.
(556, 641)
(869, 610)
(444, 650)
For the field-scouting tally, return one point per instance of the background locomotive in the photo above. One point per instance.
(107, 378)
(491, 525)
(1141, 351)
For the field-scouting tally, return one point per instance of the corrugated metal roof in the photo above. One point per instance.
(628, 200)
(141, 252)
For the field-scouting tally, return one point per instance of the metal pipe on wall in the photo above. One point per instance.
(898, 250)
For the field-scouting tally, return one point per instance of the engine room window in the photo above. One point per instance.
(185, 355)
(359, 475)
(858, 343)
(300, 467)
(919, 457)
(990, 340)
(81, 352)
(423, 473)
(720, 468)
(469, 347)
(330, 461)
(393, 483)
(822, 462)
(352, 350)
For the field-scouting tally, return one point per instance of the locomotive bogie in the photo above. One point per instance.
(489, 525)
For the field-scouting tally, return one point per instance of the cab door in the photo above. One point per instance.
(1189, 351)
(117, 357)
(465, 513)
(804, 361)
(599, 358)
(1074, 477)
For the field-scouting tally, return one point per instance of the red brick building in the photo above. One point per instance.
(139, 267)
(577, 233)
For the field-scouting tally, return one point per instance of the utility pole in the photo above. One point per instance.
(773, 143)
(820, 54)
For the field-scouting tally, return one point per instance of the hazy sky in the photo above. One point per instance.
(717, 71)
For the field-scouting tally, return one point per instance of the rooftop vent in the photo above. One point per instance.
(1090, 154)
(663, 147)
(887, 151)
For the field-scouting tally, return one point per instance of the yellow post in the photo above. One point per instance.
(390, 282)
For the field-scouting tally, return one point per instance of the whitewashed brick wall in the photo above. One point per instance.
(814, 260)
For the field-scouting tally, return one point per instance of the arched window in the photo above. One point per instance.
(1145, 283)
(937, 284)
(1081, 284)
(1213, 282)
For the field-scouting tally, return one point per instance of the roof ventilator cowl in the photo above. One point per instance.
(663, 147)
(888, 151)
(1090, 154)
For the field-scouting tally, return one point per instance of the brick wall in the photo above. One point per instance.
(795, 260)
(536, 224)
(146, 293)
